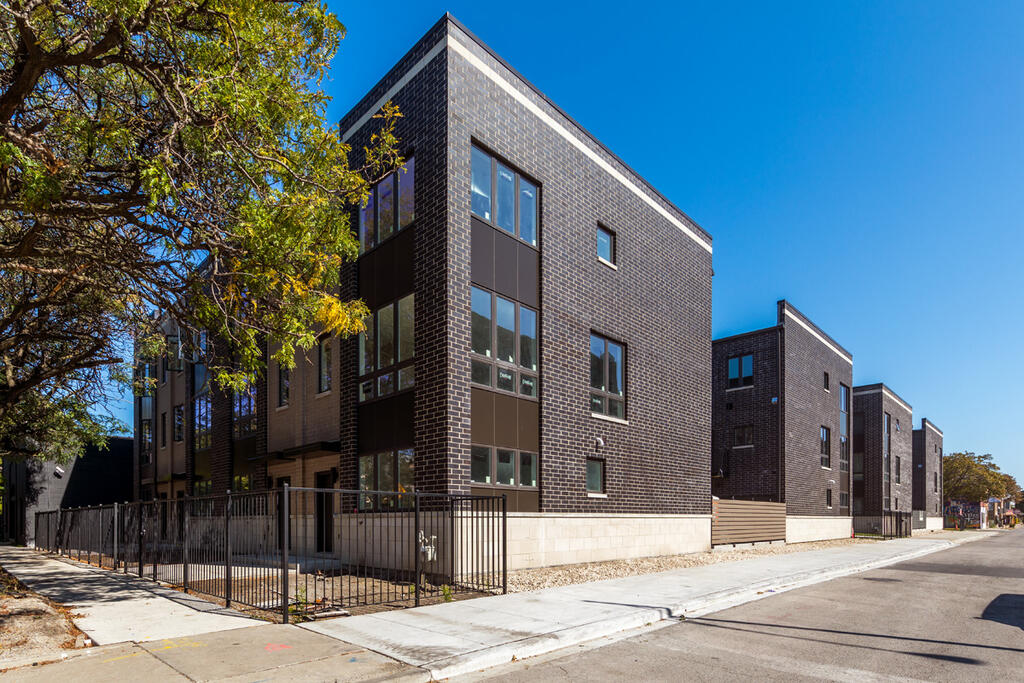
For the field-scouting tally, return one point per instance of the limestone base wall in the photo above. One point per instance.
(933, 523)
(802, 529)
(539, 539)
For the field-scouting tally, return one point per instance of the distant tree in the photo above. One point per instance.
(165, 155)
(970, 476)
(1011, 488)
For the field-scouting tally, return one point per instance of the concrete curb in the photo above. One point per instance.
(504, 653)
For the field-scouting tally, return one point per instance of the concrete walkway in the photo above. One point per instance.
(114, 608)
(462, 637)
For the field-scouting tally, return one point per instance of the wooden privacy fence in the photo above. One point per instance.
(747, 521)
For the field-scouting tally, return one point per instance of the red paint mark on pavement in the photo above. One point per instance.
(273, 647)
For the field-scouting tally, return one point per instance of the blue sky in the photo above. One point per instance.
(864, 160)
(861, 159)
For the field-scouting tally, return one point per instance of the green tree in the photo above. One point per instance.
(970, 476)
(165, 155)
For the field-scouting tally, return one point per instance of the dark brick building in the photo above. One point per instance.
(927, 494)
(883, 456)
(781, 423)
(540, 329)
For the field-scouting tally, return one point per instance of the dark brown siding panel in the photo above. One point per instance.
(528, 267)
(482, 416)
(386, 424)
(505, 270)
(529, 425)
(505, 421)
(482, 254)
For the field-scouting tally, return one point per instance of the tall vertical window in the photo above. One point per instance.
(387, 350)
(605, 245)
(607, 377)
(503, 341)
(743, 436)
(390, 207)
(323, 354)
(844, 500)
(828, 498)
(595, 475)
(896, 469)
(284, 378)
(826, 447)
(163, 430)
(886, 443)
(935, 482)
(844, 428)
(503, 197)
(179, 422)
(741, 371)
(145, 440)
(826, 381)
(201, 421)
(244, 412)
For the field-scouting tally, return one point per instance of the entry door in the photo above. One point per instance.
(324, 513)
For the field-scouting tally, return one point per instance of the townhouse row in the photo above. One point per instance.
(540, 329)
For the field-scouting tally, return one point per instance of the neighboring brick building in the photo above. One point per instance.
(541, 329)
(781, 423)
(883, 455)
(927, 494)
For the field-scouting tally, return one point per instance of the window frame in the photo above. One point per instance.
(284, 386)
(748, 430)
(179, 422)
(612, 246)
(244, 421)
(517, 462)
(603, 491)
(604, 394)
(399, 367)
(844, 428)
(496, 364)
(826, 382)
(519, 176)
(202, 430)
(145, 440)
(741, 379)
(825, 435)
(394, 178)
(828, 498)
(324, 376)
(844, 495)
(896, 463)
(380, 502)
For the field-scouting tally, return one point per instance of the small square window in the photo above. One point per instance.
(741, 371)
(480, 464)
(743, 436)
(595, 475)
(605, 245)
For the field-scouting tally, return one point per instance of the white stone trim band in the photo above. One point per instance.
(817, 336)
(890, 395)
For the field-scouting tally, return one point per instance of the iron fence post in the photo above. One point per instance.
(416, 545)
(114, 533)
(138, 524)
(284, 552)
(184, 511)
(156, 536)
(504, 543)
(227, 551)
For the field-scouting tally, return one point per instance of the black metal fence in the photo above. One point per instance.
(297, 552)
(889, 524)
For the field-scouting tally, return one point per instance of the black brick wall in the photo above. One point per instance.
(870, 403)
(928, 463)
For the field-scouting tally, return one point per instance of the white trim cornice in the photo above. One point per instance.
(817, 336)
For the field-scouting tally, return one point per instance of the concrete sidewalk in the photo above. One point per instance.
(113, 608)
(461, 637)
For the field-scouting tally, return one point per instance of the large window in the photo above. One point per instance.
(323, 355)
(202, 423)
(387, 350)
(503, 198)
(173, 357)
(503, 467)
(179, 422)
(244, 412)
(390, 207)
(741, 371)
(607, 377)
(826, 447)
(886, 443)
(503, 340)
(844, 428)
(387, 471)
(844, 500)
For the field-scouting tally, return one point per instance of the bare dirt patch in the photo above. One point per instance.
(565, 575)
(32, 627)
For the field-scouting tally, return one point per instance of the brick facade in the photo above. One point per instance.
(454, 93)
(928, 469)
(787, 405)
(870, 404)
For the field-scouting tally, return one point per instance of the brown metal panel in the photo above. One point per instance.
(481, 404)
(506, 431)
(527, 501)
(367, 428)
(367, 290)
(402, 267)
(383, 265)
(482, 254)
(506, 274)
(528, 268)
(528, 425)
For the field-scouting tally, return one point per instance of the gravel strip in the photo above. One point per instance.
(565, 575)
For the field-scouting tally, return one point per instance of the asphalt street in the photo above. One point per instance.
(955, 615)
